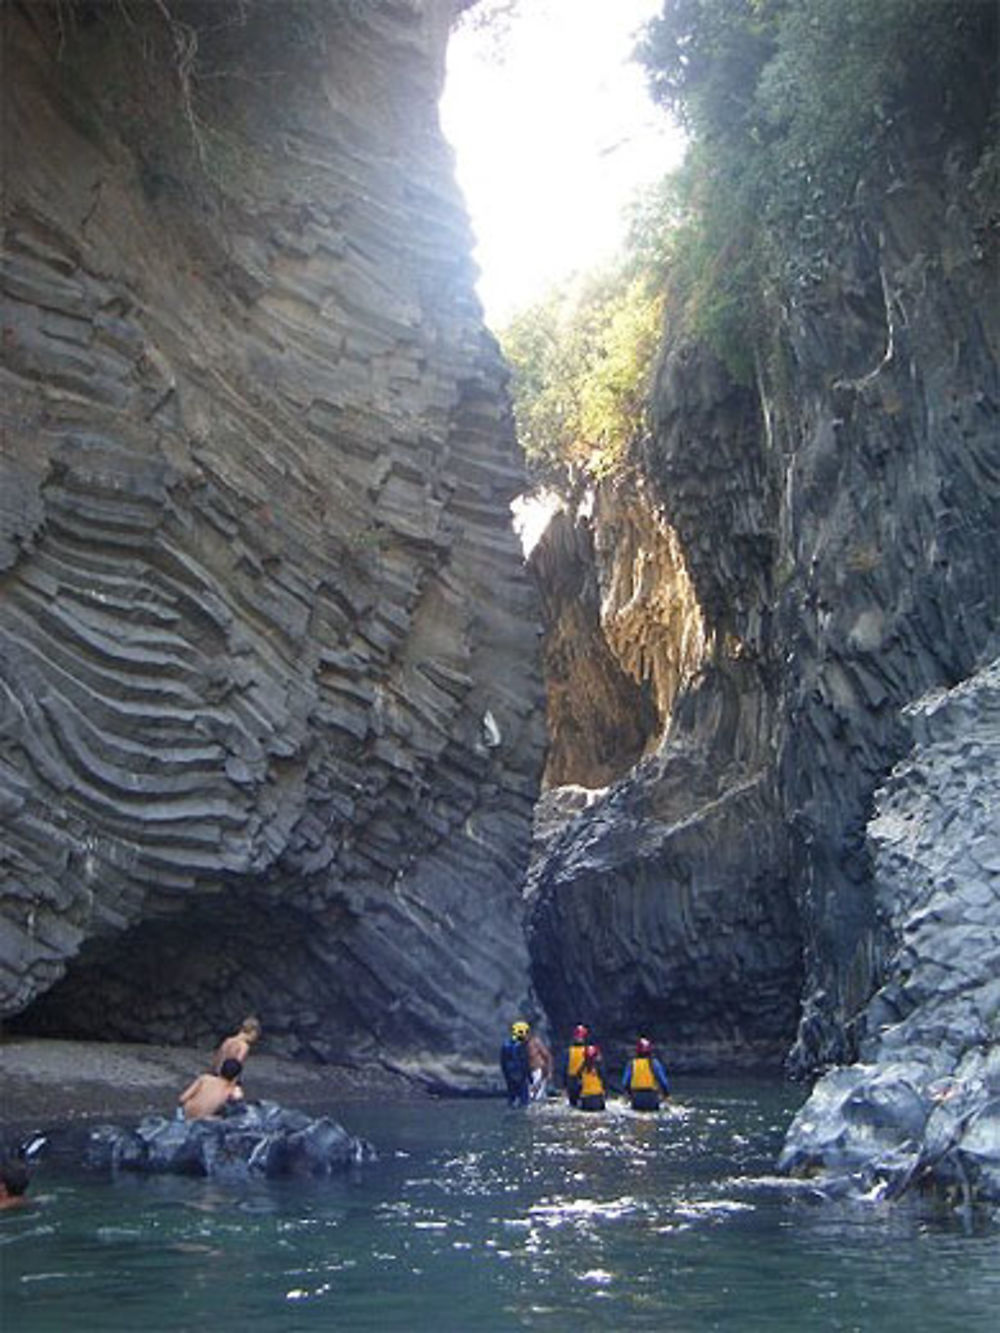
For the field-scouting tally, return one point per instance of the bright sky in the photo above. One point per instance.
(552, 141)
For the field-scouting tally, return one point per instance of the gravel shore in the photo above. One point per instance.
(49, 1083)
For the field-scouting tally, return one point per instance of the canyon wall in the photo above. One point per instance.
(921, 1106)
(270, 721)
(663, 902)
(838, 521)
(623, 632)
(271, 727)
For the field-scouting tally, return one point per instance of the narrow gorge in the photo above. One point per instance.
(281, 701)
(802, 872)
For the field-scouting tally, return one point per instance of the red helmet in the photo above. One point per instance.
(592, 1053)
(644, 1046)
(581, 1032)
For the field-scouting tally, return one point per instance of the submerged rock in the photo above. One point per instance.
(248, 1139)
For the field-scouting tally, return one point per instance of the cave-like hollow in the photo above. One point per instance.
(187, 978)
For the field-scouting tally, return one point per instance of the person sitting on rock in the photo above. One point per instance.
(645, 1079)
(591, 1081)
(574, 1062)
(209, 1093)
(237, 1046)
(514, 1064)
(14, 1180)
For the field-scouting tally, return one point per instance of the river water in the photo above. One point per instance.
(478, 1217)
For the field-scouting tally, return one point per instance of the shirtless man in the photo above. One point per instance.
(14, 1179)
(209, 1093)
(237, 1046)
(541, 1065)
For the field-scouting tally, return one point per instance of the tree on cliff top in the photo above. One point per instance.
(790, 103)
(581, 357)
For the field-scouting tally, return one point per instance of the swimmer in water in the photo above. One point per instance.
(14, 1180)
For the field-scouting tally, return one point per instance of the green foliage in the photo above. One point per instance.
(654, 218)
(580, 361)
(704, 58)
(790, 103)
(842, 73)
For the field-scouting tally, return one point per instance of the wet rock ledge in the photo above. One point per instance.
(249, 1139)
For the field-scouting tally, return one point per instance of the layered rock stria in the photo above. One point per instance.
(838, 521)
(270, 727)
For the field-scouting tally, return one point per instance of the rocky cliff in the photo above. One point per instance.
(659, 901)
(270, 727)
(623, 630)
(921, 1107)
(838, 520)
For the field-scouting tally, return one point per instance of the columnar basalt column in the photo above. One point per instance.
(271, 724)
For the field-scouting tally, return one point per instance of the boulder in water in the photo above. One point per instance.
(247, 1139)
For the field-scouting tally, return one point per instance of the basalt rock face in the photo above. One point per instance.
(664, 905)
(922, 1105)
(839, 524)
(658, 901)
(270, 726)
(622, 631)
(599, 717)
(887, 583)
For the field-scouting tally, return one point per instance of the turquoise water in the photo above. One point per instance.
(477, 1217)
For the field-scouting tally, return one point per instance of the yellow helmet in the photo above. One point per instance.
(520, 1029)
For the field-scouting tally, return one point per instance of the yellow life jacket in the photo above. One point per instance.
(643, 1077)
(574, 1060)
(591, 1083)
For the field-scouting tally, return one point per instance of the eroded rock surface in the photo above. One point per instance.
(270, 720)
(621, 632)
(922, 1105)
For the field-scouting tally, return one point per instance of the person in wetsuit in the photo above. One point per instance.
(591, 1081)
(574, 1062)
(645, 1079)
(515, 1064)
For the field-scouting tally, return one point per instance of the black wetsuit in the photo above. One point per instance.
(516, 1070)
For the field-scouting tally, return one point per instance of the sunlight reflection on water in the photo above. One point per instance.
(477, 1217)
